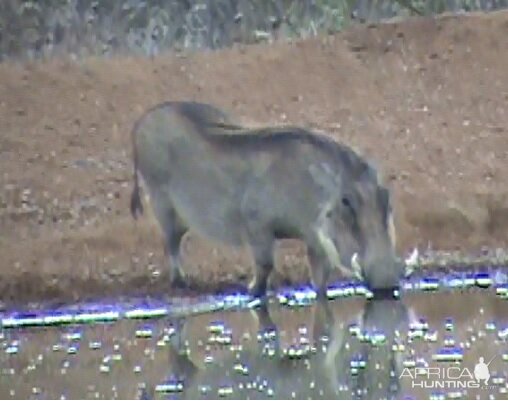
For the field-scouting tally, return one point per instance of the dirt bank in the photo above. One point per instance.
(426, 99)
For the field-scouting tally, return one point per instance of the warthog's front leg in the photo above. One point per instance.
(324, 257)
(320, 270)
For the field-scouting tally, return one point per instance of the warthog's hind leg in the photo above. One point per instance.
(172, 248)
(173, 233)
(263, 256)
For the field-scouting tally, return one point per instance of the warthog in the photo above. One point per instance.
(255, 186)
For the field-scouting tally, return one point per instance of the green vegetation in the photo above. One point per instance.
(34, 29)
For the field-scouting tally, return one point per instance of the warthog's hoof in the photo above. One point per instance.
(233, 288)
(321, 294)
(258, 290)
(180, 283)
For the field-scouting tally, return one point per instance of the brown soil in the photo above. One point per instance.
(426, 99)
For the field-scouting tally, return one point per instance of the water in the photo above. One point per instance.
(423, 344)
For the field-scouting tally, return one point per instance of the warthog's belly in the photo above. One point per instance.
(209, 207)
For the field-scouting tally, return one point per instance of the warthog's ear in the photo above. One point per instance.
(324, 176)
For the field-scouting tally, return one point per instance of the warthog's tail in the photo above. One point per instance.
(136, 203)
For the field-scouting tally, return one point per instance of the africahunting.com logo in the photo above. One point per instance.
(451, 377)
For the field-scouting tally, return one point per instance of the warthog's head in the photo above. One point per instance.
(358, 220)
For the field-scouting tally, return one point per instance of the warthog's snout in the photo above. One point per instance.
(360, 222)
(256, 186)
(380, 274)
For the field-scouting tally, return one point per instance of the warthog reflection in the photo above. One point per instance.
(305, 353)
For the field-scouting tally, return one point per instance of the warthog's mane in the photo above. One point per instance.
(269, 136)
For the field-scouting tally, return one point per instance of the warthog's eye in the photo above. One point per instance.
(349, 207)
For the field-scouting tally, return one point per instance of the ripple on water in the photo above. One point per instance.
(449, 354)
(171, 386)
(145, 332)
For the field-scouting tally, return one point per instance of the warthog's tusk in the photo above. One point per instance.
(329, 248)
(357, 269)
(412, 262)
(334, 257)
